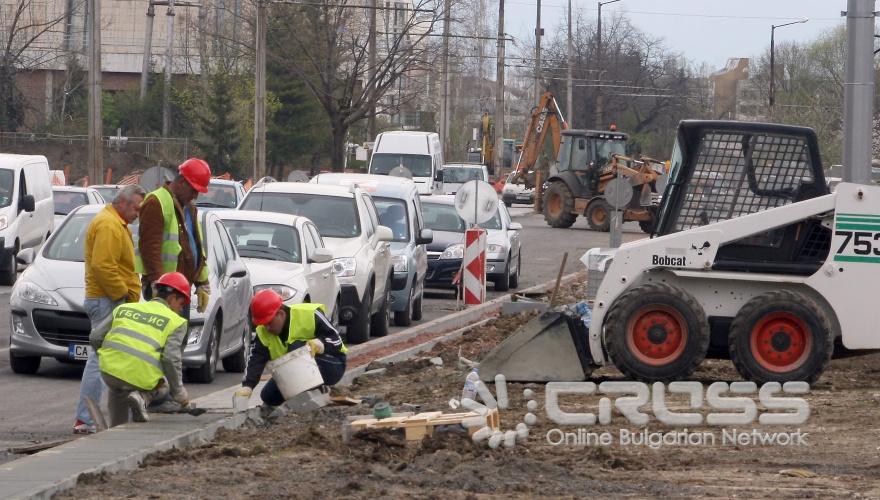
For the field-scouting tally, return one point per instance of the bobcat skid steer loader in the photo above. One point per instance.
(753, 258)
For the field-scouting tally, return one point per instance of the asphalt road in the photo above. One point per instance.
(41, 406)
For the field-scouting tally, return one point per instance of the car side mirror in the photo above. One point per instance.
(25, 257)
(236, 270)
(27, 203)
(515, 226)
(426, 237)
(384, 233)
(321, 256)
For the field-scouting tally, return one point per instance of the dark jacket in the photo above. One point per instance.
(152, 226)
(324, 332)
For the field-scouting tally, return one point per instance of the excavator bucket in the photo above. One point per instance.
(550, 348)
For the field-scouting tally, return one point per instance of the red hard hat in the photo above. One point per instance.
(197, 173)
(176, 281)
(264, 306)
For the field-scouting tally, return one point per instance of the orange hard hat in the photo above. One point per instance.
(197, 173)
(177, 282)
(264, 306)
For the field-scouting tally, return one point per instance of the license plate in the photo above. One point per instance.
(78, 351)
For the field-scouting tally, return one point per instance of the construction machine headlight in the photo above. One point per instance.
(33, 293)
(344, 267)
(494, 248)
(284, 291)
(4, 221)
(453, 252)
(400, 262)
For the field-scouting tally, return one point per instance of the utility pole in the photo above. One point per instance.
(96, 149)
(371, 120)
(599, 110)
(260, 95)
(166, 90)
(858, 94)
(538, 34)
(569, 86)
(444, 107)
(148, 47)
(499, 94)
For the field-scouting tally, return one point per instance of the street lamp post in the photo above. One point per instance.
(773, 60)
(599, 110)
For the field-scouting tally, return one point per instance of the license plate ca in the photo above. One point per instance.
(78, 351)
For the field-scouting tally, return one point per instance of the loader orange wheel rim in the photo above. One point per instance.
(554, 204)
(657, 334)
(781, 342)
(599, 215)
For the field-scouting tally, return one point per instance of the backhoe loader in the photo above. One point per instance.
(753, 259)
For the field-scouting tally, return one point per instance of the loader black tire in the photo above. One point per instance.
(781, 336)
(558, 204)
(599, 215)
(656, 332)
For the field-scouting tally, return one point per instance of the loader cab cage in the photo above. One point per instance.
(721, 170)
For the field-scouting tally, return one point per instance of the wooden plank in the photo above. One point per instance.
(34, 448)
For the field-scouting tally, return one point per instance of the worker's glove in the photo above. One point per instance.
(205, 286)
(133, 296)
(316, 346)
(244, 392)
(203, 293)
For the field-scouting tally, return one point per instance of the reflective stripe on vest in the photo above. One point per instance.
(170, 234)
(302, 327)
(132, 349)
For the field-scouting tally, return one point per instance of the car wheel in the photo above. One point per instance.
(9, 275)
(379, 326)
(358, 331)
(205, 373)
(404, 318)
(24, 365)
(417, 307)
(508, 204)
(502, 283)
(238, 361)
(514, 278)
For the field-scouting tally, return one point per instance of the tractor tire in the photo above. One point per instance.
(558, 204)
(656, 332)
(599, 215)
(781, 336)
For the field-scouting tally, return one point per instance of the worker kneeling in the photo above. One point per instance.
(281, 329)
(139, 348)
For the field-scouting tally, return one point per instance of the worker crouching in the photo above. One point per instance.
(139, 349)
(281, 329)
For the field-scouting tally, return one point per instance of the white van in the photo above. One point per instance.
(26, 208)
(418, 152)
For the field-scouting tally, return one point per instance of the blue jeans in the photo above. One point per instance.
(332, 369)
(92, 386)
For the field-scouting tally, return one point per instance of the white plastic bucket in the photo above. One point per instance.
(296, 372)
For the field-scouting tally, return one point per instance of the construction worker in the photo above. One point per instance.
(169, 236)
(139, 349)
(110, 281)
(281, 329)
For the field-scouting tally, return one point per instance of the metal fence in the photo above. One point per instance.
(173, 149)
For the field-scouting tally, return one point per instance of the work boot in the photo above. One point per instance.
(80, 427)
(138, 407)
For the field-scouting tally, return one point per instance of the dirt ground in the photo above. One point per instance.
(305, 456)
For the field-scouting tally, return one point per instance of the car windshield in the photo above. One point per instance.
(66, 201)
(419, 165)
(459, 174)
(218, 195)
(393, 215)
(445, 218)
(264, 240)
(6, 186)
(335, 216)
(69, 241)
(108, 193)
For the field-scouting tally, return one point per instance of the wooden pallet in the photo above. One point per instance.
(419, 425)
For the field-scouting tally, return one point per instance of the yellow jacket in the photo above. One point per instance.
(109, 255)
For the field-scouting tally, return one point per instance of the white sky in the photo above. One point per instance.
(702, 30)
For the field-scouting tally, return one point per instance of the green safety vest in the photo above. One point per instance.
(133, 346)
(170, 238)
(302, 327)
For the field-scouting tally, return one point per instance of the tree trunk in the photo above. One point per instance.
(337, 153)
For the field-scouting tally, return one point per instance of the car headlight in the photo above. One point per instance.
(453, 252)
(3, 222)
(33, 293)
(400, 263)
(344, 267)
(494, 249)
(284, 291)
(194, 335)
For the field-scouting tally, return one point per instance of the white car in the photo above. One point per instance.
(349, 224)
(516, 193)
(67, 198)
(285, 253)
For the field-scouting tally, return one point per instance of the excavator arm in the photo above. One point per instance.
(546, 118)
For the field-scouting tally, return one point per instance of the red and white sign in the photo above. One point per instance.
(474, 264)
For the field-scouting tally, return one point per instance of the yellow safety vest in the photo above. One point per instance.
(302, 327)
(170, 238)
(133, 347)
